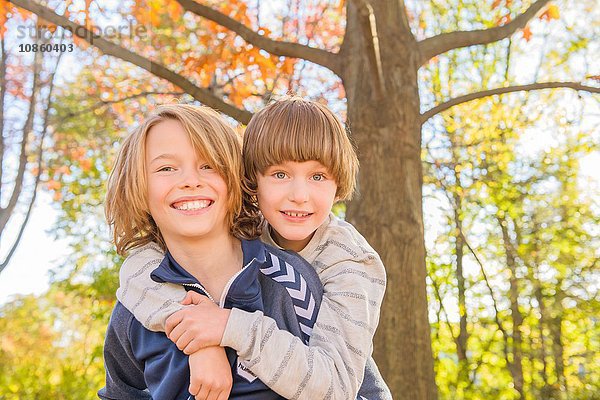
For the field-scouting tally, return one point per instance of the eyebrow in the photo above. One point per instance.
(164, 156)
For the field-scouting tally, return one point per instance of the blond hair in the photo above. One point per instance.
(126, 206)
(295, 129)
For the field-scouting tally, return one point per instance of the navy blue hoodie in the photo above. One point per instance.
(141, 364)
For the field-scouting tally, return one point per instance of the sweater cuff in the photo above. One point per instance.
(237, 329)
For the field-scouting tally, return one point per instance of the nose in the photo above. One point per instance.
(190, 178)
(298, 191)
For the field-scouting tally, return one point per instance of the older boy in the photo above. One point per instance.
(176, 182)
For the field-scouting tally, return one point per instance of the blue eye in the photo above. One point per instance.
(166, 169)
(279, 175)
(318, 177)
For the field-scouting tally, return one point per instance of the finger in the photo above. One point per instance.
(213, 395)
(223, 395)
(173, 321)
(193, 298)
(183, 341)
(203, 393)
(192, 347)
(177, 331)
(194, 387)
(188, 298)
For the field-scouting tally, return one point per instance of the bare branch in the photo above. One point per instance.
(202, 95)
(29, 208)
(3, 56)
(105, 103)
(509, 89)
(6, 212)
(38, 175)
(21, 229)
(439, 44)
(487, 282)
(279, 48)
(442, 308)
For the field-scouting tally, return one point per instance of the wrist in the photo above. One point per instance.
(223, 319)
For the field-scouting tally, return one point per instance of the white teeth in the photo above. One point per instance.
(193, 205)
(293, 214)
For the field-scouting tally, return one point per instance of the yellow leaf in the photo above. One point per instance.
(553, 11)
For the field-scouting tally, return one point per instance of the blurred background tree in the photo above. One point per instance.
(510, 213)
(26, 89)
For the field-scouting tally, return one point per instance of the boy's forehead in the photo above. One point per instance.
(309, 165)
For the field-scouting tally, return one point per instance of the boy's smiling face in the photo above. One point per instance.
(186, 197)
(295, 198)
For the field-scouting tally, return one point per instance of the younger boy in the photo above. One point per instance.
(298, 162)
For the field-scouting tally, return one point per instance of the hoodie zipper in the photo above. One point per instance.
(225, 289)
(199, 286)
(230, 282)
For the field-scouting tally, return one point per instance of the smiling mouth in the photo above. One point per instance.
(191, 205)
(296, 214)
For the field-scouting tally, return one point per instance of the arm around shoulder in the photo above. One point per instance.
(150, 302)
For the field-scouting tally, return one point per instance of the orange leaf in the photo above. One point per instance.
(64, 170)
(86, 164)
(4, 6)
(53, 185)
(526, 33)
(505, 19)
(174, 10)
(496, 3)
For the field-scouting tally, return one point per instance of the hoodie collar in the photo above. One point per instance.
(242, 286)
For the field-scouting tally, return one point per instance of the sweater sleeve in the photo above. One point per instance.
(124, 373)
(333, 364)
(150, 302)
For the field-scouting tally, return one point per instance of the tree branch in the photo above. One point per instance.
(39, 155)
(489, 286)
(439, 44)
(202, 95)
(21, 230)
(509, 89)
(279, 48)
(442, 308)
(6, 212)
(3, 55)
(104, 103)
(29, 208)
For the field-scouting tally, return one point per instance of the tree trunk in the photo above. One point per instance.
(547, 391)
(463, 335)
(459, 243)
(388, 212)
(557, 341)
(516, 366)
